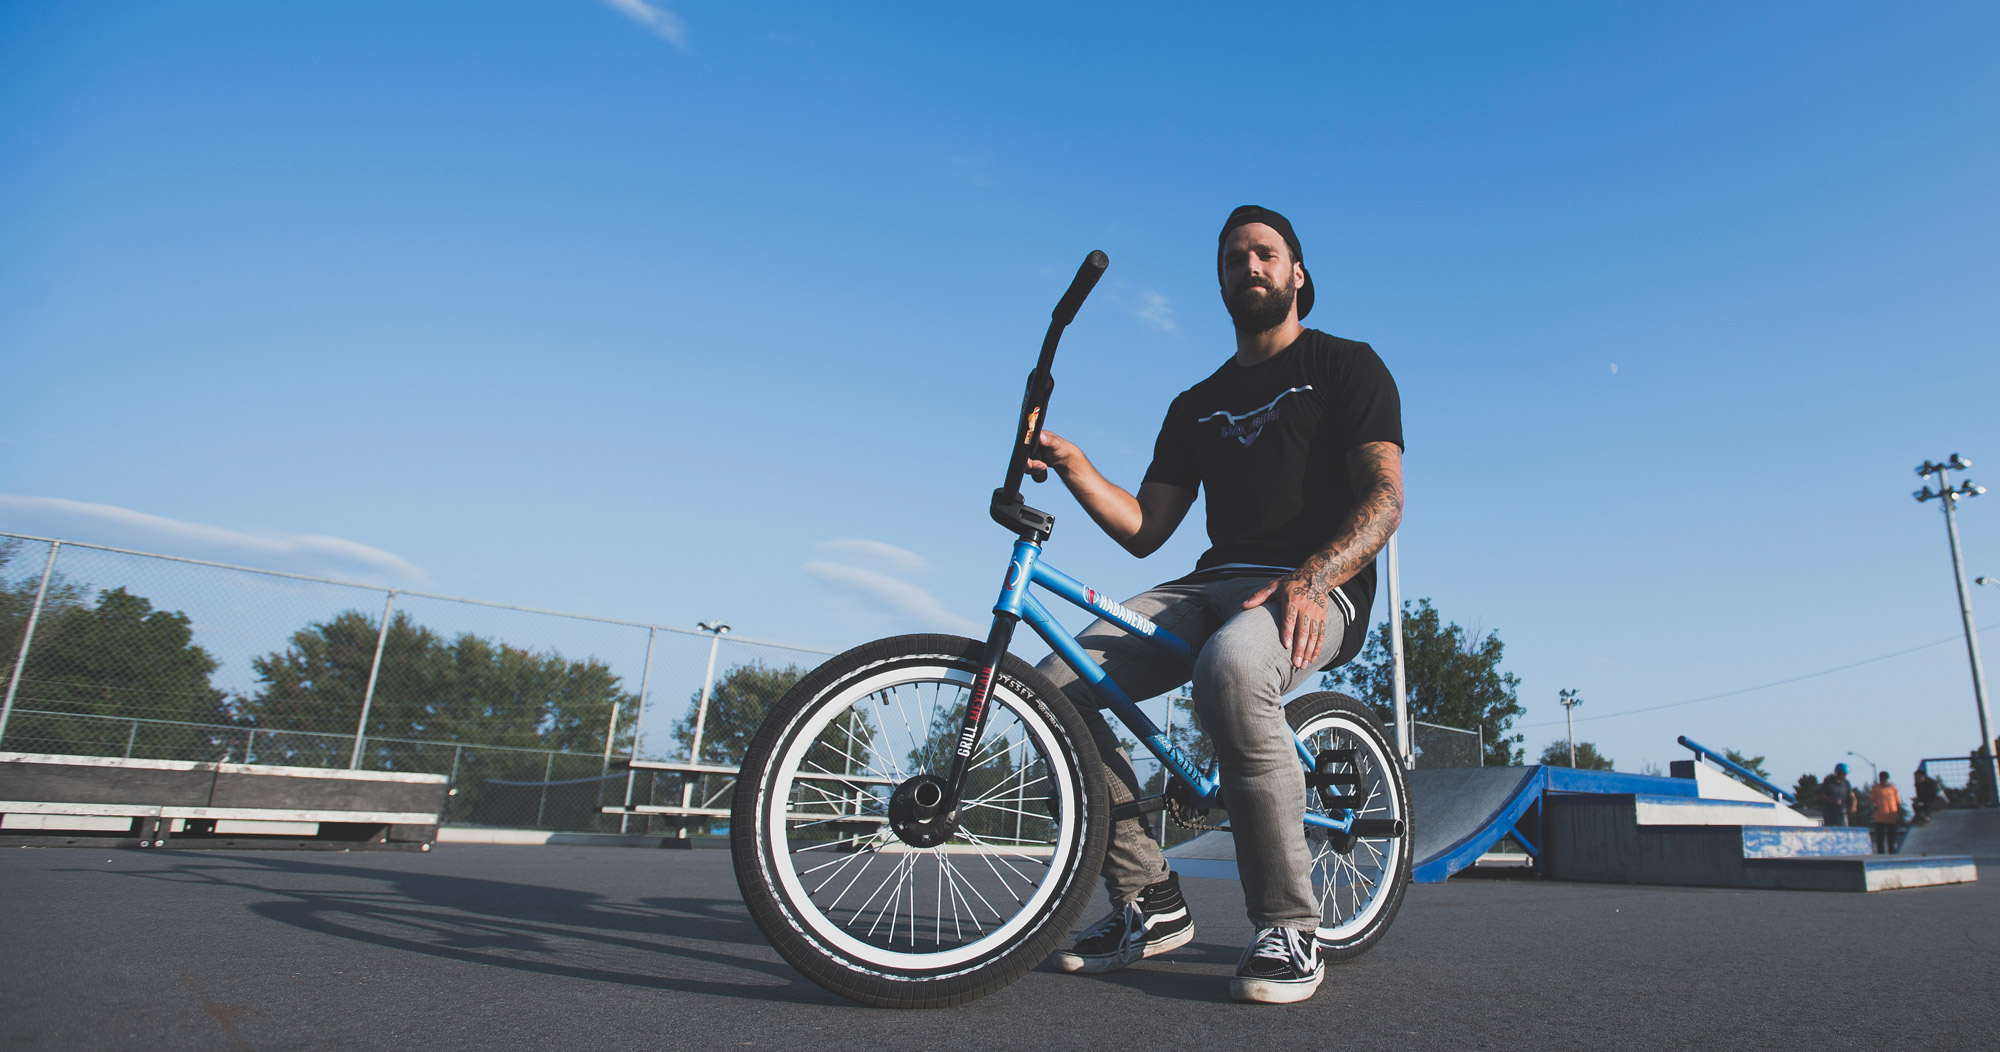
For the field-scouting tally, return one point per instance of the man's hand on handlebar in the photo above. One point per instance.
(1139, 523)
(1052, 452)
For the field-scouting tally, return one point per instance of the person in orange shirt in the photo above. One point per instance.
(1887, 804)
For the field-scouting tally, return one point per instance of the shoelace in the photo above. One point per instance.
(1116, 920)
(1279, 944)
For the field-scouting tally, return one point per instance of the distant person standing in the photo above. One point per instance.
(1930, 797)
(1886, 813)
(1836, 797)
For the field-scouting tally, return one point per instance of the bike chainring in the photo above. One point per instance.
(1185, 811)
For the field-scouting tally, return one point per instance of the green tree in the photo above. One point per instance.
(736, 708)
(116, 658)
(1806, 792)
(17, 597)
(468, 689)
(1587, 757)
(1186, 732)
(1753, 764)
(1452, 677)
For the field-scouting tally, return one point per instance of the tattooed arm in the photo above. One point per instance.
(1375, 470)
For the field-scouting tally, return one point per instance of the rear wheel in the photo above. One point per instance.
(1359, 880)
(890, 911)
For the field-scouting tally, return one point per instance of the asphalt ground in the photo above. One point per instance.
(500, 948)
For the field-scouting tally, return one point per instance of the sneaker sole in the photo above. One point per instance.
(1077, 964)
(1264, 991)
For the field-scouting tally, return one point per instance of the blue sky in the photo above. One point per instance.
(672, 311)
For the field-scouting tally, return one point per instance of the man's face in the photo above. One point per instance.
(1259, 277)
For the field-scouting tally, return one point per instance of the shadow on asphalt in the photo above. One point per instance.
(525, 927)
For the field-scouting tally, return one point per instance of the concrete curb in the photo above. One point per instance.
(544, 837)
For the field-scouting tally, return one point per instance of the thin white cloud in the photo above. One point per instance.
(663, 23)
(124, 528)
(885, 594)
(889, 556)
(1155, 310)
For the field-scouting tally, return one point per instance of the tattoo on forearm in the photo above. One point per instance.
(1379, 477)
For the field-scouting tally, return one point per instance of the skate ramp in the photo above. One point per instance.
(1958, 831)
(1459, 813)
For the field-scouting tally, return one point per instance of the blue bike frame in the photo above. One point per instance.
(1016, 602)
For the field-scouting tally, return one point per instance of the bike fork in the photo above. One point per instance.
(973, 726)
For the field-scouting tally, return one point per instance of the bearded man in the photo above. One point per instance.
(1298, 438)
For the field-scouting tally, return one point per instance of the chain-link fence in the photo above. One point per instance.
(1960, 778)
(1437, 745)
(530, 713)
(109, 652)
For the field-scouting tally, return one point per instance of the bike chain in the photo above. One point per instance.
(1184, 813)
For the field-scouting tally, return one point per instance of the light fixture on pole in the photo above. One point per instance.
(1569, 703)
(1873, 771)
(1989, 768)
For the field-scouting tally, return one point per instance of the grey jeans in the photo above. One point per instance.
(1241, 675)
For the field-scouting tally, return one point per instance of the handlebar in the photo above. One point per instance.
(1008, 510)
(1079, 287)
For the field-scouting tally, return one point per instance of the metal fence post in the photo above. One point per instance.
(707, 685)
(131, 739)
(638, 726)
(374, 670)
(1403, 743)
(548, 772)
(27, 637)
(715, 633)
(1163, 773)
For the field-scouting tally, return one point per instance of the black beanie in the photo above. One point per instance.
(1259, 214)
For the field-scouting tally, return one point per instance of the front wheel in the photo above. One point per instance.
(1359, 880)
(930, 916)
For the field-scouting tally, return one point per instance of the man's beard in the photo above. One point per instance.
(1254, 313)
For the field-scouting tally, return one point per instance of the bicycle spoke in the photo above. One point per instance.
(871, 857)
(988, 856)
(840, 866)
(969, 886)
(895, 897)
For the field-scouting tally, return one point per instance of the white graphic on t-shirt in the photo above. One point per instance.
(1245, 427)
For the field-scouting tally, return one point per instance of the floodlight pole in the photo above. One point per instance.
(1569, 703)
(1950, 496)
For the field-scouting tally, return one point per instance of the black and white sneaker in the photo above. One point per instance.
(1156, 923)
(1281, 965)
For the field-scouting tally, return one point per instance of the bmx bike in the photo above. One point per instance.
(920, 820)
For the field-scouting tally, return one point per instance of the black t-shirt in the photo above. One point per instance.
(1270, 442)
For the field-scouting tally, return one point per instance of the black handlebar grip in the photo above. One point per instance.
(1086, 279)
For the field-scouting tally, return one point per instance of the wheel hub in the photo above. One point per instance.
(916, 812)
